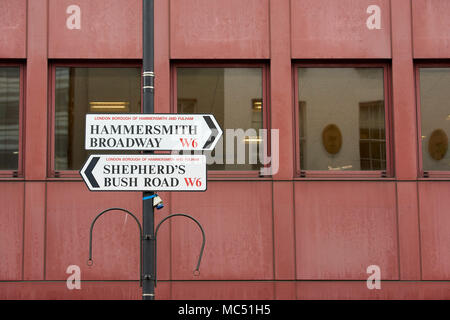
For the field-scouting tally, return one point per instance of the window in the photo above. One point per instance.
(434, 118)
(342, 118)
(235, 95)
(10, 119)
(79, 90)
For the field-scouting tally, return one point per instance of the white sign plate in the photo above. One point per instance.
(145, 173)
(151, 132)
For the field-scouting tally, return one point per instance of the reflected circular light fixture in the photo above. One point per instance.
(438, 144)
(332, 139)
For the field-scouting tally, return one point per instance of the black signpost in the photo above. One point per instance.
(137, 172)
(148, 95)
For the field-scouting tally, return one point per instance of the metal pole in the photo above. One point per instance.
(148, 283)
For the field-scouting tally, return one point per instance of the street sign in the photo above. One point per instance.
(151, 132)
(145, 172)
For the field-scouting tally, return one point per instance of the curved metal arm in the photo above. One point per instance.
(90, 261)
(196, 271)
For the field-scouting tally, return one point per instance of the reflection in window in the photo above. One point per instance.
(302, 131)
(435, 118)
(235, 97)
(344, 128)
(79, 91)
(9, 117)
(372, 138)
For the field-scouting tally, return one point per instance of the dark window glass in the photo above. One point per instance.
(79, 91)
(235, 97)
(435, 118)
(341, 119)
(9, 117)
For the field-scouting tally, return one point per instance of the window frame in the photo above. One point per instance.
(265, 112)
(372, 174)
(51, 170)
(423, 174)
(19, 172)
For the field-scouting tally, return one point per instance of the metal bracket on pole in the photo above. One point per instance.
(149, 80)
(196, 271)
(90, 262)
(147, 237)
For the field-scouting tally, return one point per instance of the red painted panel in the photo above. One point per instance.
(237, 218)
(241, 290)
(344, 227)
(164, 240)
(431, 28)
(34, 231)
(71, 208)
(213, 29)
(284, 238)
(434, 205)
(13, 28)
(394, 290)
(285, 290)
(210, 290)
(337, 29)
(281, 111)
(108, 29)
(36, 92)
(118, 290)
(162, 59)
(408, 230)
(11, 230)
(403, 94)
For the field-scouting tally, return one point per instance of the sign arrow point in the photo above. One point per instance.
(88, 172)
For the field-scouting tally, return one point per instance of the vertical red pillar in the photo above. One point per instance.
(35, 139)
(405, 139)
(280, 93)
(281, 116)
(404, 105)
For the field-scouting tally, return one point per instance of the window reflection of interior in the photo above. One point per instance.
(82, 90)
(9, 117)
(234, 97)
(435, 118)
(372, 139)
(350, 100)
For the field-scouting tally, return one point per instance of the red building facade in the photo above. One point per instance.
(309, 231)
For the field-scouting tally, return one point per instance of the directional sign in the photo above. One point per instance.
(145, 173)
(151, 132)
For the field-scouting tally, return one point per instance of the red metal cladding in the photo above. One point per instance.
(431, 28)
(11, 230)
(280, 105)
(219, 29)
(162, 59)
(121, 290)
(408, 231)
(164, 258)
(237, 217)
(13, 29)
(35, 138)
(34, 231)
(242, 290)
(404, 104)
(210, 290)
(345, 290)
(284, 230)
(344, 227)
(71, 208)
(105, 29)
(340, 29)
(434, 225)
